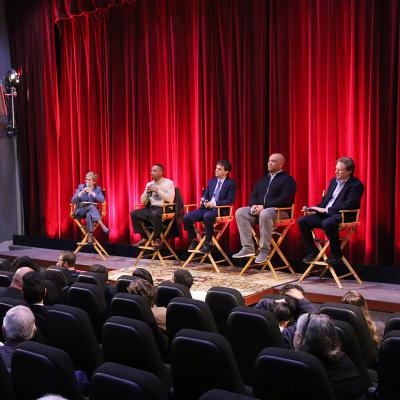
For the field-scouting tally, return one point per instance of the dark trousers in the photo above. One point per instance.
(201, 214)
(90, 213)
(328, 223)
(150, 215)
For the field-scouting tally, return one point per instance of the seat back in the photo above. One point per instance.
(393, 323)
(6, 387)
(5, 304)
(137, 307)
(218, 394)
(388, 366)
(222, 300)
(287, 374)
(115, 381)
(6, 278)
(123, 282)
(351, 347)
(354, 316)
(69, 328)
(90, 298)
(190, 314)
(59, 276)
(249, 331)
(93, 278)
(201, 361)
(166, 291)
(130, 342)
(38, 369)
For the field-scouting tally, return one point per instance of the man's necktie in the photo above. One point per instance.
(217, 190)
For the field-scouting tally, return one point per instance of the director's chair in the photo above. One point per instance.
(348, 228)
(82, 227)
(220, 224)
(280, 230)
(167, 218)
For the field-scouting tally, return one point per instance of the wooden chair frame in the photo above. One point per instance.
(280, 230)
(84, 242)
(323, 245)
(220, 225)
(168, 217)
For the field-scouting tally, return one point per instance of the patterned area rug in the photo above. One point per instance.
(205, 277)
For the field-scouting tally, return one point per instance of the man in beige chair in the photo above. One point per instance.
(157, 192)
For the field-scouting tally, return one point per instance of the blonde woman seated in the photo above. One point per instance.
(86, 196)
(144, 288)
(376, 328)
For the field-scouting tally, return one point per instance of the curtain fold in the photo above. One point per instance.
(114, 86)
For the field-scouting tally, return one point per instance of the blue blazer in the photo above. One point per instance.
(226, 194)
(349, 197)
(99, 198)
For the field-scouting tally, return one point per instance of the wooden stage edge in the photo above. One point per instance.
(384, 297)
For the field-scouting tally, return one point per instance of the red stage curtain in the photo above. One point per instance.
(114, 86)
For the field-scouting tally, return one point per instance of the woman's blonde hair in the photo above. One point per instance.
(92, 175)
(357, 299)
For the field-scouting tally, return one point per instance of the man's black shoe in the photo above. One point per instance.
(206, 248)
(310, 257)
(141, 242)
(334, 259)
(193, 244)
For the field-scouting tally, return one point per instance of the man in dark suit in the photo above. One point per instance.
(276, 189)
(14, 291)
(344, 193)
(220, 191)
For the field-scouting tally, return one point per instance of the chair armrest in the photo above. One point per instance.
(219, 208)
(289, 210)
(165, 205)
(103, 210)
(72, 208)
(344, 212)
(186, 207)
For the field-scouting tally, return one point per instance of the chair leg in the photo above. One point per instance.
(248, 264)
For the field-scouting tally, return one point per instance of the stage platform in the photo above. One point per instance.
(383, 297)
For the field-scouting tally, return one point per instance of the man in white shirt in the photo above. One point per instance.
(157, 192)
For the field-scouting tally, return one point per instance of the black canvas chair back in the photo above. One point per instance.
(123, 282)
(222, 300)
(93, 278)
(6, 387)
(354, 316)
(393, 323)
(218, 394)
(137, 307)
(116, 381)
(38, 369)
(388, 367)
(167, 290)
(249, 331)
(201, 361)
(287, 374)
(69, 328)
(189, 313)
(90, 298)
(130, 342)
(6, 278)
(57, 276)
(5, 304)
(5, 264)
(351, 347)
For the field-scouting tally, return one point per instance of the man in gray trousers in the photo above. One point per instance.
(276, 189)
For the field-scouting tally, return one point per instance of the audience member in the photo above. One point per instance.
(316, 334)
(102, 271)
(183, 276)
(146, 289)
(5, 265)
(143, 274)
(66, 262)
(14, 291)
(18, 326)
(376, 328)
(24, 261)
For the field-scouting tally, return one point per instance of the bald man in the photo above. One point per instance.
(276, 189)
(14, 291)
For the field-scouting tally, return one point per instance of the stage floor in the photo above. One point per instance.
(380, 296)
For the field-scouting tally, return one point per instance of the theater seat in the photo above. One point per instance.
(218, 394)
(115, 381)
(222, 300)
(392, 323)
(38, 369)
(123, 282)
(287, 375)
(166, 291)
(201, 361)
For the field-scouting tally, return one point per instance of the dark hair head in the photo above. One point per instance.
(316, 334)
(144, 274)
(24, 261)
(99, 269)
(184, 277)
(33, 287)
(348, 163)
(225, 164)
(289, 286)
(282, 311)
(5, 265)
(143, 288)
(69, 258)
(159, 166)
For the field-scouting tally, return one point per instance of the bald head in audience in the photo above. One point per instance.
(18, 277)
